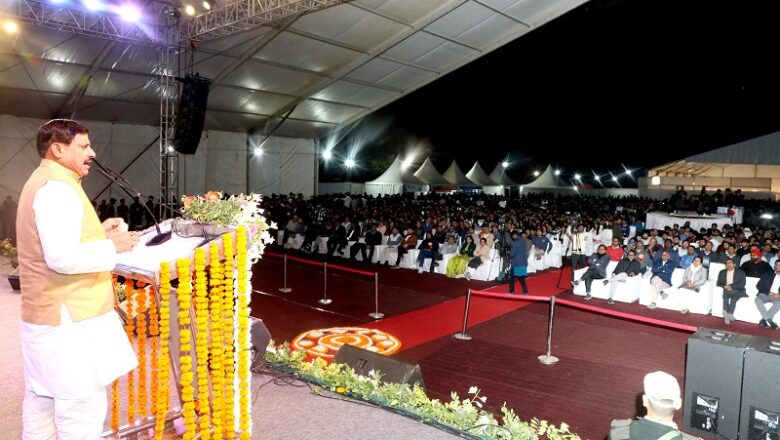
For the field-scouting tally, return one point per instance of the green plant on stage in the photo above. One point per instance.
(9, 250)
(461, 414)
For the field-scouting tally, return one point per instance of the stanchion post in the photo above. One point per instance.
(463, 336)
(285, 289)
(376, 314)
(325, 300)
(549, 359)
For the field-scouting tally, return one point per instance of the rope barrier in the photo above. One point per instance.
(347, 269)
(629, 316)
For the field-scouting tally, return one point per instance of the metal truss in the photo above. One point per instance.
(243, 15)
(96, 24)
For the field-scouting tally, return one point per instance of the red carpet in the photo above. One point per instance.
(424, 325)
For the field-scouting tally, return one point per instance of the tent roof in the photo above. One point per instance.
(547, 179)
(500, 176)
(396, 174)
(329, 67)
(477, 175)
(428, 174)
(456, 177)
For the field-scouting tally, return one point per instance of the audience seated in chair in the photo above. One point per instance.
(732, 279)
(693, 279)
(769, 293)
(627, 267)
(597, 269)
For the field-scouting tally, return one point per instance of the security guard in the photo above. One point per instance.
(661, 399)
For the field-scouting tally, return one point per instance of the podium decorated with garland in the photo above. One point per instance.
(186, 309)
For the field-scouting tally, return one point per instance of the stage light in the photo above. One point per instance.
(577, 177)
(406, 163)
(522, 187)
(92, 5)
(129, 13)
(656, 180)
(505, 164)
(327, 154)
(170, 149)
(574, 187)
(207, 6)
(597, 177)
(766, 216)
(10, 27)
(557, 172)
(258, 151)
(536, 173)
(614, 178)
(349, 163)
(189, 10)
(628, 172)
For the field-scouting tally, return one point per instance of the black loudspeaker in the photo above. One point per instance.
(713, 383)
(364, 361)
(760, 418)
(260, 337)
(192, 114)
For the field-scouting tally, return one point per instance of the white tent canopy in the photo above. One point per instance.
(500, 176)
(455, 176)
(477, 175)
(547, 180)
(428, 174)
(395, 180)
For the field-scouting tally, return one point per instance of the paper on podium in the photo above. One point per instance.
(143, 262)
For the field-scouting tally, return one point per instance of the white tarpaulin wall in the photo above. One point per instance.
(288, 165)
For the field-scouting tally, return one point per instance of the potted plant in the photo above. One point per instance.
(8, 250)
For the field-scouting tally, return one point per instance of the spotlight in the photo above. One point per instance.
(207, 6)
(597, 177)
(656, 180)
(258, 151)
(574, 187)
(536, 173)
(349, 163)
(327, 154)
(766, 216)
(170, 149)
(129, 13)
(577, 176)
(557, 172)
(628, 172)
(92, 5)
(505, 164)
(10, 27)
(614, 178)
(406, 163)
(189, 10)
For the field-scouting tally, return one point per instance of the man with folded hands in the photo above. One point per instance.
(662, 277)
(627, 267)
(769, 292)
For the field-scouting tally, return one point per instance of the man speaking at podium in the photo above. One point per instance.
(73, 341)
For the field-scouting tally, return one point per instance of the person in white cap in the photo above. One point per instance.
(661, 399)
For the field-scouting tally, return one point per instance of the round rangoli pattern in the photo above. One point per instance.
(326, 342)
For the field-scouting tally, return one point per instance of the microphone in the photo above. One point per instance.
(123, 183)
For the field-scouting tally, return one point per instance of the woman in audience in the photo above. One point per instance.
(481, 255)
(694, 277)
(457, 264)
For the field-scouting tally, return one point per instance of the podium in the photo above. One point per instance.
(141, 268)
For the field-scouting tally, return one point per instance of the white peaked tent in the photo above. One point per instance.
(477, 175)
(546, 181)
(428, 174)
(395, 180)
(455, 176)
(499, 176)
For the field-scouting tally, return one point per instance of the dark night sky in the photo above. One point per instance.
(631, 82)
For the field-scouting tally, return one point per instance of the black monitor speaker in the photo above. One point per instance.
(364, 361)
(260, 337)
(760, 418)
(713, 383)
(192, 114)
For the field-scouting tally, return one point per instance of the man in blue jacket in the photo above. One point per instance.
(597, 269)
(662, 277)
(519, 257)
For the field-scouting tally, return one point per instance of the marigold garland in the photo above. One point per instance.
(185, 346)
(115, 406)
(130, 330)
(141, 329)
(216, 353)
(228, 339)
(154, 333)
(163, 362)
(243, 333)
(202, 343)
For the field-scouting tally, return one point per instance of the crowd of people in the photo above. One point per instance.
(596, 230)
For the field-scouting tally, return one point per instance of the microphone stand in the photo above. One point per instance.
(123, 183)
